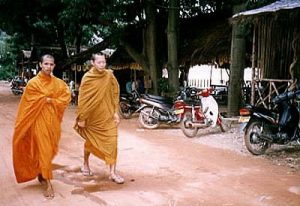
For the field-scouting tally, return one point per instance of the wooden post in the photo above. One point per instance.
(75, 76)
(22, 67)
(253, 68)
(210, 76)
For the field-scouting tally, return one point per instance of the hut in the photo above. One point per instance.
(26, 67)
(125, 69)
(275, 46)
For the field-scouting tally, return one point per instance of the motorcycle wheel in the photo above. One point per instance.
(125, 110)
(15, 92)
(148, 118)
(187, 129)
(253, 142)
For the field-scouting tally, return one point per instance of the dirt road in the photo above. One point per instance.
(161, 168)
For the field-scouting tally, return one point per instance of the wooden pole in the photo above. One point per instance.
(75, 77)
(253, 78)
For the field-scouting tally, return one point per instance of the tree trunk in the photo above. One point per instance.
(62, 42)
(151, 43)
(172, 45)
(148, 58)
(79, 36)
(238, 54)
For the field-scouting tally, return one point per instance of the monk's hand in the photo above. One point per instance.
(81, 124)
(49, 100)
(116, 118)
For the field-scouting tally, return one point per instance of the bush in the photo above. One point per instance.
(163, 86)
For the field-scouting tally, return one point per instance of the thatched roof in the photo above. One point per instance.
(205, 39)
(211, 44)
(120, 59)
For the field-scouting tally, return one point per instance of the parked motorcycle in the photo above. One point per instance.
(201, 111)
(155, 110)
(265, 127)
(129, 104)
(17, 86)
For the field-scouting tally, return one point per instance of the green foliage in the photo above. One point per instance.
(8, 55)
(80, 22)
(163, 85)
(7, 65)
(45, 21)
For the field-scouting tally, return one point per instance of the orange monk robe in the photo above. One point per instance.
(98, 100)
(37, 129)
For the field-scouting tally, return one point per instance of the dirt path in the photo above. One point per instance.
(161, 167)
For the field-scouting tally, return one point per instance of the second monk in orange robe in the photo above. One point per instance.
(97, 117)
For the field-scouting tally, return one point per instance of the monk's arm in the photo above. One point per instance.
(83, 97)
(63, 97)
(61, 100)
(32, 101)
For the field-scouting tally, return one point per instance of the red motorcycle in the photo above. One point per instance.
(197, 111)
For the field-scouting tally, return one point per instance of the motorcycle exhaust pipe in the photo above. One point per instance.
(265, 137)
(198, 125)
(149, 115)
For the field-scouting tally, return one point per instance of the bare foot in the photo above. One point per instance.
(116, 178)
(86, 171)
(49, 192)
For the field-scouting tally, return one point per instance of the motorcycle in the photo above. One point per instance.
(17, 86)
(129, 104)
(198, 113)
(280, 125)
(155, 110)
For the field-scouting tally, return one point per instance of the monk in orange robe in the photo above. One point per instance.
(37, 129)
(97, 116)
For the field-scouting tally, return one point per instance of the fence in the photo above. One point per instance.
(266, 89)
(199, 83)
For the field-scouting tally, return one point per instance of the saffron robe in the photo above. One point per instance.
(98, 101)
(37, 129)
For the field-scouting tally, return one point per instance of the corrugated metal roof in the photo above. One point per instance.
(274, 7)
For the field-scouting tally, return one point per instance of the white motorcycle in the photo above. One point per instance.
(200, 114)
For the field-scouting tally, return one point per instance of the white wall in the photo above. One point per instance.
(200, 76)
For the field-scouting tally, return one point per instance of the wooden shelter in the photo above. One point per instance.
(276, 43)
(125, 69)
(26, 67)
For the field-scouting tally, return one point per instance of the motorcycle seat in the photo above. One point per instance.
(164, 102)
(264, 111)
(158, 98)
(151, 96)
(123, 95)
(191, 102)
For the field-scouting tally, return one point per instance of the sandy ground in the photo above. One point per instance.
(161, 167)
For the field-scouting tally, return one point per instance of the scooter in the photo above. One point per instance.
(199, 113)
(280, 125)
